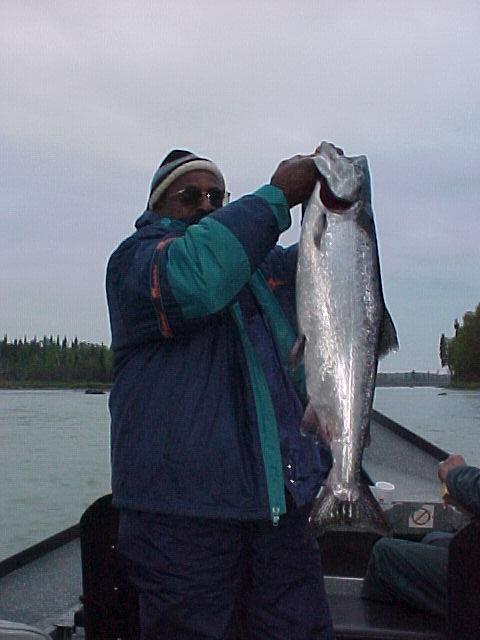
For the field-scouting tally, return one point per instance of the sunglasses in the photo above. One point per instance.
(191, 196)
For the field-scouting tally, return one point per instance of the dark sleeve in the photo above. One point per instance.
(280, 266)
(463, 484)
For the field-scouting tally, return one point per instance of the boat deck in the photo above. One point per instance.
(45, 592)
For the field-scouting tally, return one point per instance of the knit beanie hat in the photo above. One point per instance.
(174, 165)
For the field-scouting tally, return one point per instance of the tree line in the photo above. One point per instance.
(54, 360)
(461, 353)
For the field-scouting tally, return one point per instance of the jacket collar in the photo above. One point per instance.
(150, 217)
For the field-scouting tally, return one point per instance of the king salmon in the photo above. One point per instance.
(344, 327)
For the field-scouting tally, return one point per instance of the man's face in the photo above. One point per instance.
(180, 202)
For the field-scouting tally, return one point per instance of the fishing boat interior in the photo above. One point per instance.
(71, 585)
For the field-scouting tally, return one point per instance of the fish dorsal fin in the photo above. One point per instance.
(319, 230)
(387, 340)
(298, 350)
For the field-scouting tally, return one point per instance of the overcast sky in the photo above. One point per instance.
(94, 94)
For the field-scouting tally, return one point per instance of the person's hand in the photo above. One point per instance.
(317, 425)
(454, 460)
(296, 177)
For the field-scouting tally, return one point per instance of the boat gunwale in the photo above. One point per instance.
(38, 550)
(409, 436)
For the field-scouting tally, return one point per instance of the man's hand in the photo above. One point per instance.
(318, 426)
(454, 460)
(296, 177)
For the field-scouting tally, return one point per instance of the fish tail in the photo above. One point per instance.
(363, 514)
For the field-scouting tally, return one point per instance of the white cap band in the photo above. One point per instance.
(193, 165)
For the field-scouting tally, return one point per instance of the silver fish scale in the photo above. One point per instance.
(340, 311)
(340, 321)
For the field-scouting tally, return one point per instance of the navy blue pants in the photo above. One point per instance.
(414, 573)
(202, 579)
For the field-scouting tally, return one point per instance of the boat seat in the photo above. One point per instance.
(19, 631)
(110, 607)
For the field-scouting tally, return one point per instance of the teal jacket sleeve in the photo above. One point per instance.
(201, 272)
(463, 484)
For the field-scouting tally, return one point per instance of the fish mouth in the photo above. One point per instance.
(330, 200)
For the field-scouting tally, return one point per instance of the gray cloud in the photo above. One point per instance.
(97, 93)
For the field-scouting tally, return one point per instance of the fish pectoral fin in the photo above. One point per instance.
(387, 340)
(320, 226)
(310, 421)
(297, 352)
(313, 425)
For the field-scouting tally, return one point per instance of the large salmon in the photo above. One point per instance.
(343, 329)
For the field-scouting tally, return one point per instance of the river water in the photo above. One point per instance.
(449, 418)
(54, 461)
(54, 450)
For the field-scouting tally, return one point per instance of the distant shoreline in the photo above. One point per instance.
(471, 386)
(42, 385)
(423, 379)
(106, 386)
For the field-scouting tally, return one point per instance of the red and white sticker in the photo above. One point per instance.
(422, 518)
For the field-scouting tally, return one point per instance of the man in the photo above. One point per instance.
(415, 573)
(212, 478)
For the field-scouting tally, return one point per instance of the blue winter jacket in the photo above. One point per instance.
(205, 415)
